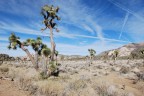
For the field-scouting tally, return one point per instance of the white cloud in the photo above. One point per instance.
(78, 14)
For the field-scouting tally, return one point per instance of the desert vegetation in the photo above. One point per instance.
(48, 73)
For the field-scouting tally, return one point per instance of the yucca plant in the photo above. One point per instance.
(92, 53)
(14, 43)
(49, 14)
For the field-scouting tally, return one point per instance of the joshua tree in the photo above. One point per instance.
(115, 55)
(37, 46)
(15, 42)
(50, 13)
(92, 53)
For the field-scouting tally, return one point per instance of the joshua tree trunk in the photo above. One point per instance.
(44, 65)
(28, 53)
(90, 60)
(52, 44)
(56, 59)
(36, 60)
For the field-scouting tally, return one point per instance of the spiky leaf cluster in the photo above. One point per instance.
(14, 42)
(37, 44)
(92, 52)
(46, 52)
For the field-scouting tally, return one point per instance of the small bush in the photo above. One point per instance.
(140, 75)
(105, 90)
(140, 86)
(124, 70)
(78, 84)
(43, 75)
(50, 88)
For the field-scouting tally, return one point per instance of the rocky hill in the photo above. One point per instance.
(5, 57)
(126, 51)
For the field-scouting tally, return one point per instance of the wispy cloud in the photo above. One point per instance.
(125, 20)
(65, 33)
(88, 28)
(78, 14)
(127, 10)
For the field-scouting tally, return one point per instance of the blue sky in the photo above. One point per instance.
(98, 24)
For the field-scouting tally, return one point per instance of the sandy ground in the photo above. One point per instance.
(8, 88)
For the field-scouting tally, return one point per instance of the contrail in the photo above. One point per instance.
(126, 9)
(94, 37)
(125, 20)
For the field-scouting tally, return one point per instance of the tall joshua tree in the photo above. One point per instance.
(92, 53)
(49, 14)
(14, 42)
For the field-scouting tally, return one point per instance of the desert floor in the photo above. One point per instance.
(77, 78)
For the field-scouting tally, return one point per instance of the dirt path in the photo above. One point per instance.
(7, 88)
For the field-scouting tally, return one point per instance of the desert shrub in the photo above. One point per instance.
(43, 75)
(124, 70)
(140, 86)
(50, 88)
(65, 78)
(77, 84)
(140, 75)
(104, 89)
(125, 94)
(4, 69)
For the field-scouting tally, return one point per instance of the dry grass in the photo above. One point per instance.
(50, 88)
(140, 86)
(4, 69)
(104, 89)
(77, 85)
